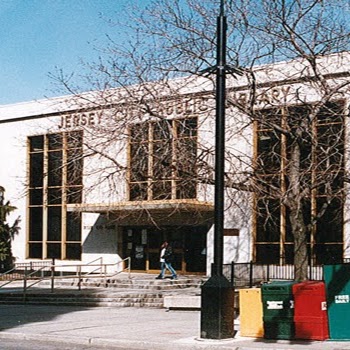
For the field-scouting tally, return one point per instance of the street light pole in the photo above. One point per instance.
(217, 294)
(220, 141)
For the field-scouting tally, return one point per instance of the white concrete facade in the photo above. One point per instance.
(282, 83)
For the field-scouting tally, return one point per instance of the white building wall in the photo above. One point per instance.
(13, 174)
(98, 238)
(13, 177)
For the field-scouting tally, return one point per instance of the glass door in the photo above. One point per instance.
(196, 249)
(135, 247)
(142, 244)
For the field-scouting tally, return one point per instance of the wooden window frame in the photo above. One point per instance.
(313, 198)
(62, 187)
(173, 178)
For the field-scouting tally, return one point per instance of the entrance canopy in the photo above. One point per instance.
(170, 212)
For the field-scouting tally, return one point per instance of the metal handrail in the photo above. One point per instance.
(91, 264)
(128, 259)
(28, 277)
(7, 272)
(79, 274)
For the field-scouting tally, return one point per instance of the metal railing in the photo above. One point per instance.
(53, 272)
(251, 274)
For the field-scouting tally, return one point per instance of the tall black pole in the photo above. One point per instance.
(217, 294)
(220, 142)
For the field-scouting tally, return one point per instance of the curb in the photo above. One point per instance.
(186, 343)
(46, 338)
(191, 343)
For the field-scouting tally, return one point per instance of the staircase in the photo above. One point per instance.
(141, 290)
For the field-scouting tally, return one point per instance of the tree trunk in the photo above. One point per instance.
(295, 204)
(300, 245)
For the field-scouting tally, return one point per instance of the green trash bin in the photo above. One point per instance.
(278, 310)
(337, 280)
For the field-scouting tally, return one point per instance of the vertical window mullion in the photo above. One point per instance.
(45, 193)
(128, 174)
(174, 159)
(64, 199)
(150, 161)
(313, 198)
(283, 227)
(255, 197)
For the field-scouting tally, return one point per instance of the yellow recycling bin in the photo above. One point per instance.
(251, 313)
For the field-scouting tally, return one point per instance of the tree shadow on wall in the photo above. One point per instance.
(102, 238)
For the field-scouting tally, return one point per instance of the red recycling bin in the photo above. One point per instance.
(310, 310)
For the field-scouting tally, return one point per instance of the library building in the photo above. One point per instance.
(112, 178)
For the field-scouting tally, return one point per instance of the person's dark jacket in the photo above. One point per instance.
(168, 255)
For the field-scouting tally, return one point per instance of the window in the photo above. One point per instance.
(163, 160)
(55, 179)
(320, 175)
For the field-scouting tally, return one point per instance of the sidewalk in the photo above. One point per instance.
(132, 328)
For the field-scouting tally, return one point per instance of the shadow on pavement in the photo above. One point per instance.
(17, 315)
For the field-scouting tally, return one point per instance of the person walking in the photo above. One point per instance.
(166, 258)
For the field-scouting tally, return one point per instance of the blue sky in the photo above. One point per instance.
(39, 35)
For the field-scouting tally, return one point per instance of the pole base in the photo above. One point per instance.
(217, 309)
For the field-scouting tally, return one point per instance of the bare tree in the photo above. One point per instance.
(292, 168)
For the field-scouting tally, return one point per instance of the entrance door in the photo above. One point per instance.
(189, 245)
(135, 247)
(196, 249)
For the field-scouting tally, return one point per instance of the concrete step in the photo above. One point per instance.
(138, 291)
(85, 299)
(126, 284)
(86, 303)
